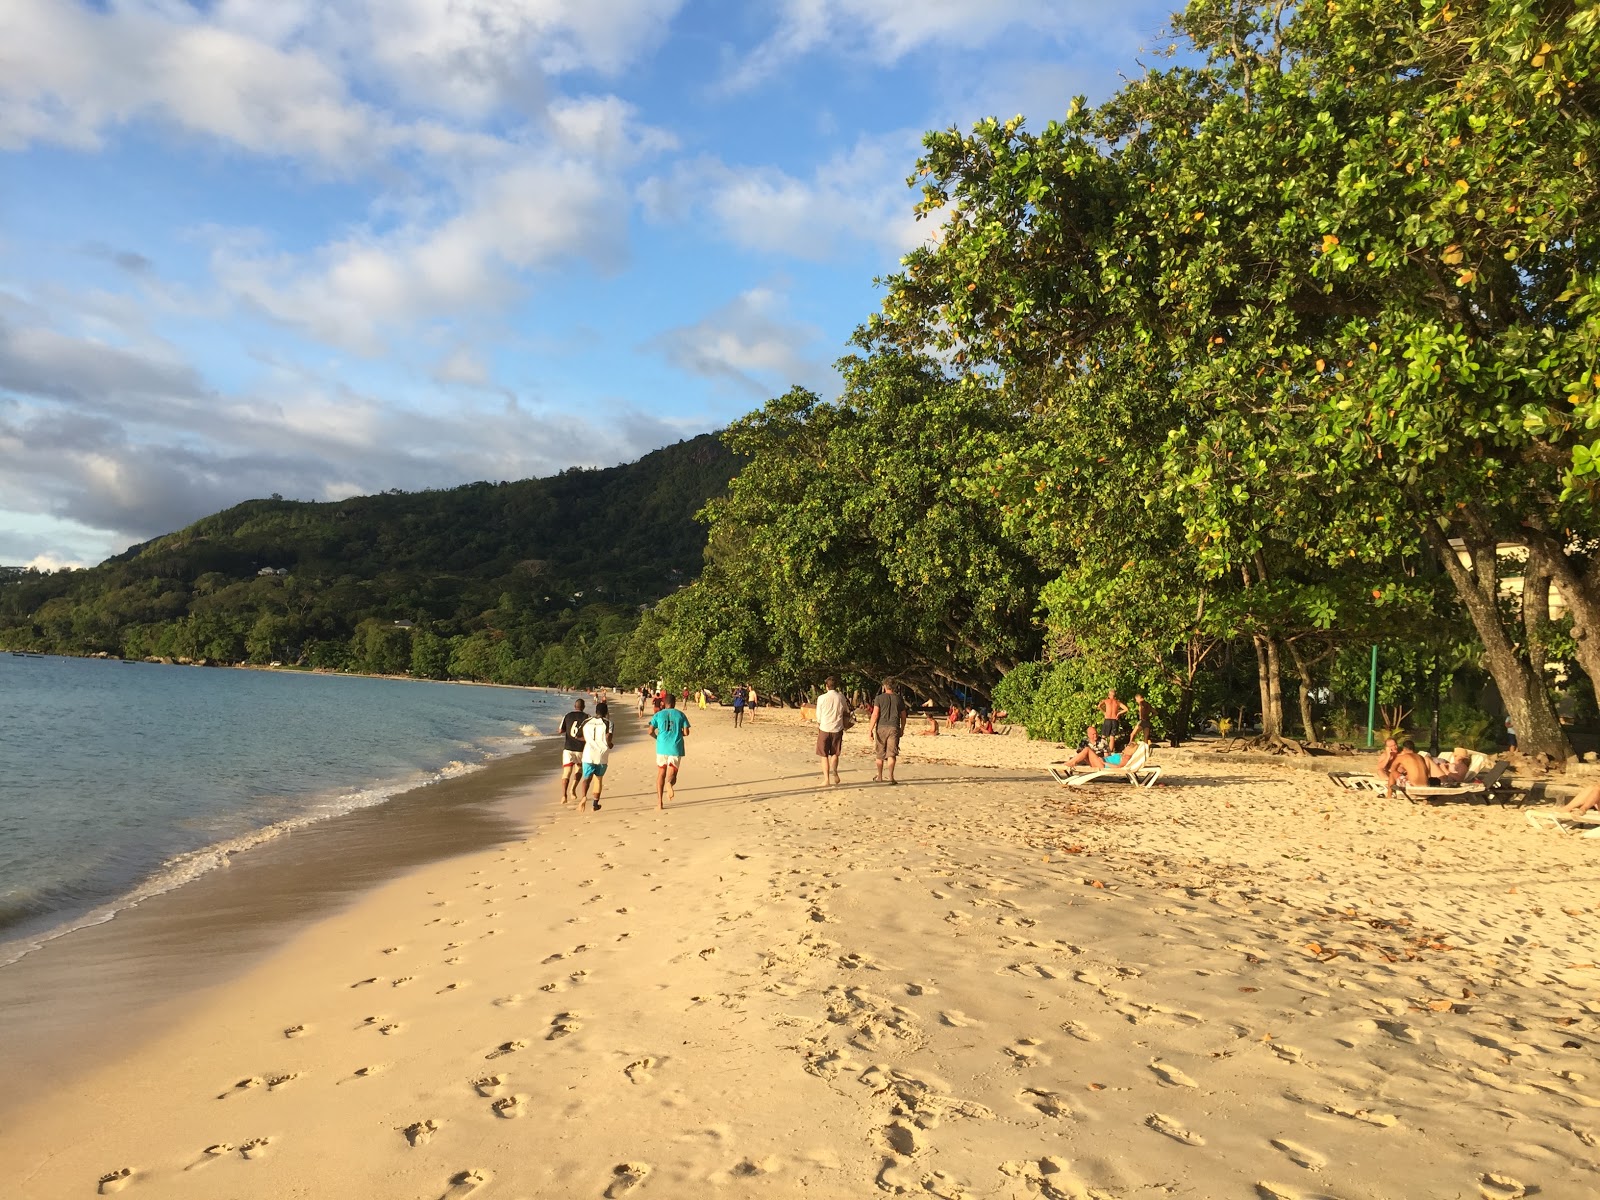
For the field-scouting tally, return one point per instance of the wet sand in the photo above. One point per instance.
(78, 999)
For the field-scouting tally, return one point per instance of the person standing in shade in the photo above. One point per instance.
(598, 736)
(833, 718)
(887, 726)
(572, 750)
(739, 694)
(670, 727)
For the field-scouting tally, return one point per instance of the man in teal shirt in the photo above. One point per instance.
(669, 725)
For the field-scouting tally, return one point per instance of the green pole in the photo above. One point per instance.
(1372, 698)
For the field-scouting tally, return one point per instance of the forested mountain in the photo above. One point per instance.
(537, 581)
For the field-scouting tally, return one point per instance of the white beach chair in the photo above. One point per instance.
(1472, 786)
(1584, 825)
(1136, 764)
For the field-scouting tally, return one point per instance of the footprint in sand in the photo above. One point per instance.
(510, 1107)
(278, 1081)
(115, 1181)
(1300, 1156)
(625, 1177)
(391, 949)
(391, 1028)
(957, 1019)
(1051, 1104)
(903, 1139)
(364, 982)
(505, 1048)
(244, 1085)
(419, 1132)
(1493, 1186)
(1170, 1076)
(1173, 1129)
(255, 1147)
(489, 1084)
(464, 1183)
(638, 1071)
(1382, 1120)
(921, 989)
(1082, 1033)
(367, 1072)
(450, 987)
(402, 981)
(510, 1001)
(294, 1031)
(1025, 1052)
(561, 1025)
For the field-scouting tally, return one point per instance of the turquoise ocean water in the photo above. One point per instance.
(122, 780)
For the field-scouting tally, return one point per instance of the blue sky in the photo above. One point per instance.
(330, 247)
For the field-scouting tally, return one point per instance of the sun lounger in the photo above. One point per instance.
(1484, 786)
(1136, 769)
(1584, 825)
(1352, 781)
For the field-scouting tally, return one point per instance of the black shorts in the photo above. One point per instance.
(1110, 727)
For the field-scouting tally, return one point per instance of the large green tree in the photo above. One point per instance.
(1337, 284)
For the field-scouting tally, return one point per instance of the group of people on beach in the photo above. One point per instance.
(885, 726)
(587, 743)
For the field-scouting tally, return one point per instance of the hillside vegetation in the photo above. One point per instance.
(534, 582)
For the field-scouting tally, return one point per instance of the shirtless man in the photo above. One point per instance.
(1408, 763)
(1111, 710)
(1390, 749)
(1142, 731)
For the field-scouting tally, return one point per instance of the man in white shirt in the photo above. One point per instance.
(597, 738)
(833, 718)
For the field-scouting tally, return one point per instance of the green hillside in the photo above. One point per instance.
(538, 581)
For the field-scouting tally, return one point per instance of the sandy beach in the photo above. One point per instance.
(1244, 982)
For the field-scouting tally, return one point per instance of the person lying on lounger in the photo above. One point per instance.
(1586, 800)
(1408, 763)
(1446, 772)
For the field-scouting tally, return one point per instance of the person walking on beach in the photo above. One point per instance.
(1111, 710)
(670, 727)
(1143, 730)
(739, 694)
(833, 718)
(572, 750)
(887, 726)
(598, 736)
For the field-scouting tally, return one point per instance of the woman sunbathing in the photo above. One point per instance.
(1587, 798)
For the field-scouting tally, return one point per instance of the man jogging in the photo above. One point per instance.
(598, 735)
(572, 750)
(670, 726)
(833, 718)
(886, 727)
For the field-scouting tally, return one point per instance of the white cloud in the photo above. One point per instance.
(273, 76)
(856, 197)
(131, 447)
(750, 342)
(357, 290)
(887, 31)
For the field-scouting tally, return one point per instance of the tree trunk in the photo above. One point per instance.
(1526, 698)
(1178, 729)
(1536, 615)
(1303, 669)
(1581, 591)
(1269, 675)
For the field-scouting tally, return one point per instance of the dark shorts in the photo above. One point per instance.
(829, 744)
(1110, 728)
(887, 742)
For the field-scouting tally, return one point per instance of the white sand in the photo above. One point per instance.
(1244, 982)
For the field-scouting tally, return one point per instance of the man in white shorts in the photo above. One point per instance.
(597, 739)
(572, 751)
(669, 725)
